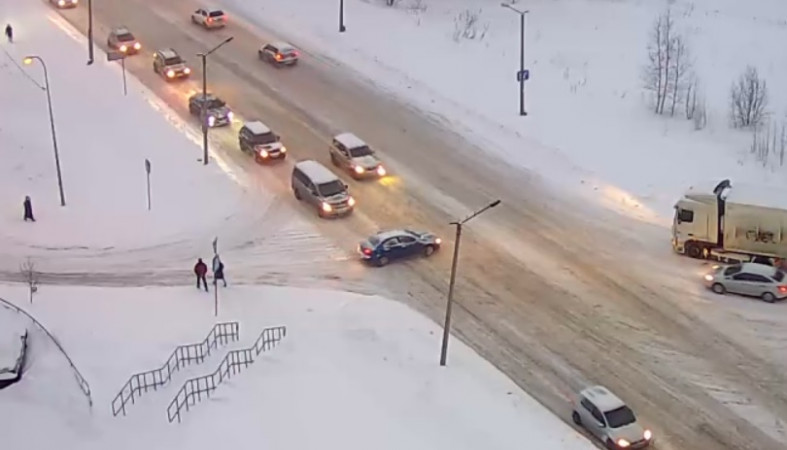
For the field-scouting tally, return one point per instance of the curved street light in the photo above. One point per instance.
(28, 61)
(449, 305)
(203, 113)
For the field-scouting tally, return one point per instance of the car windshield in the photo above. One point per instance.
(332, 188)
(620, 417)
(214, 103)
(778, 276)
(265, 138)
(286, 50)
(217, 13)
(361, 151)
(125, 37)
(173, 60)
(374, 241)
(413, 233)
(732, 270)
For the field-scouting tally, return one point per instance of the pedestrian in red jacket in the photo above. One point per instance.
(200, 270)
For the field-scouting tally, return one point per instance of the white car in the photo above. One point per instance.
(63, 4)
(209, 17)
(607, 418)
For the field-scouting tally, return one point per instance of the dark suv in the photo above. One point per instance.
(217, 113)
(257, 139)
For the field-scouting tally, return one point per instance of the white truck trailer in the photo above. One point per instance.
(731, 223)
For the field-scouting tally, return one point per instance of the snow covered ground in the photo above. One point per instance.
(104, 138)
(11, 332)
(354, 372)
(590, 127)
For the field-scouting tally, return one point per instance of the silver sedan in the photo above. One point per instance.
(750, 279)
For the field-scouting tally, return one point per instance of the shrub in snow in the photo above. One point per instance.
(30, 276)
(669, 65)
(467, 26)
(748, 99)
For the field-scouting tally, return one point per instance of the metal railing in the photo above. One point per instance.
(221, 333)
(195, 389)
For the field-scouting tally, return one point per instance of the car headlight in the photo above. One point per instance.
(123, 48)
(623, 443)
(74, 2)
(137, 46)
(381, 171)
(283, 149)
(351, 201)
(358, 169)
(187, 71)
(170, 73)
(326, 207)
(61, 3)
(264, 153)
(438, 241)
(230, 115)
(647, 435)
(211, 120)
(709, 277)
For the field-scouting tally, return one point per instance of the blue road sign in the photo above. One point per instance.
(523, 75)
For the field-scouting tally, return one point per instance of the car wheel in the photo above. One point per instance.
(693, 251)
(383, 261)
(768, 297)
(429, 250)
(718, 288)
(575, 417)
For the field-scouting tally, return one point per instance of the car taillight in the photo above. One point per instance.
(783, 289)
(367, 251)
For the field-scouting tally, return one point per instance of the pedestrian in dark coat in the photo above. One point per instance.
(28, 204)
(218, 274)
(200, 270)
(9, 33)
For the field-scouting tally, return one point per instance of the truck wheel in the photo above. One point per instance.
(693, 251)
(718, 288)
(768, 297)
(575, 417)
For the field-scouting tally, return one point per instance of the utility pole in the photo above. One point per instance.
(29, 60)
(523, 75)
(342, 28)
(203, 112)
(89, 32)
(452, 282)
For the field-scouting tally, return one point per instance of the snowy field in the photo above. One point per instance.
(104, 138)
(353, 372)
(590, 125)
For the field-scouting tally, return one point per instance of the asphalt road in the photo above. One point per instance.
(548, 295)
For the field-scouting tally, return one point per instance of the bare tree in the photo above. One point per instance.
(668, 63)
(748, 99)
(700, 117)
(30, 276)
(681, 69)
(782, 143)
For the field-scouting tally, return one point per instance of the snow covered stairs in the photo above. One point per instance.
(195, 389)
(137, 384)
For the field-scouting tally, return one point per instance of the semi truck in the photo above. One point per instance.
(732, 223)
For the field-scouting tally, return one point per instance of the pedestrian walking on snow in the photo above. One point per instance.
(28, 204)
(200, 270)
(9, 33)
(218, 274)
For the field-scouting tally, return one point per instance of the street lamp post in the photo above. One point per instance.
(29, 60)
(454, 262)
(89, 32)
(522, 75)
(203, 113)
(342, 28)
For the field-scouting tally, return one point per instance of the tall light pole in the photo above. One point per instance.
(89, 32)
(523, 74)
(449, 305)
(342, 28)
(29, 60)
(203, 113)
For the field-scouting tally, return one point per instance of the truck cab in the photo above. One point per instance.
(695, 225)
